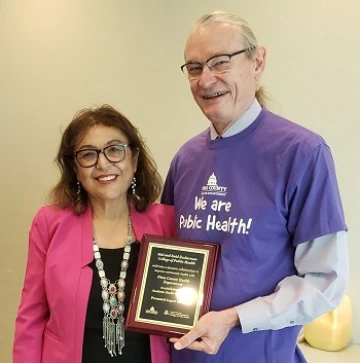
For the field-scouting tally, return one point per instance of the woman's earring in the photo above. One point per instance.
(133, 186)
(78, 193)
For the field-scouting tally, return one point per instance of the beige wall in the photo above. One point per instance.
(59, 56)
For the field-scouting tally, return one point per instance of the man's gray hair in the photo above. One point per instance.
(250, 42)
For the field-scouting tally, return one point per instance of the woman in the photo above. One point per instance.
(83, 248)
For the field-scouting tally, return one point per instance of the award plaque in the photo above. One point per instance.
(172, 286)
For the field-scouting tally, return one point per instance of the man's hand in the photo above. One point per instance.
(209, 332)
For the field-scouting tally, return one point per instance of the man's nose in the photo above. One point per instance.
(207, 77)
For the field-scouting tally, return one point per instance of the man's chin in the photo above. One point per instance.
(214, 116)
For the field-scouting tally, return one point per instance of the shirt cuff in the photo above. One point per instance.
(253, 315)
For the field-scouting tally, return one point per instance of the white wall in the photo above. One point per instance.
(59, 56)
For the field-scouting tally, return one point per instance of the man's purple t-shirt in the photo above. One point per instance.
(258, 194)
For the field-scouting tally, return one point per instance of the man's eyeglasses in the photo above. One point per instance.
(89, 157)
(216, 64)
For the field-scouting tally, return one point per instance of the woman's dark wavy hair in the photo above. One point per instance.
(148, 180)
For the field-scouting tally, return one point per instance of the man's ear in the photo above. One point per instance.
(259, 62)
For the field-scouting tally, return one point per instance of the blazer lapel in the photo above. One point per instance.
(138, 222)
(86, 237)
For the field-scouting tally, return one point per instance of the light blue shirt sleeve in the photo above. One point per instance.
(319, 287)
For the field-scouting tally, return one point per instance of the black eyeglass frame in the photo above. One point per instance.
(214, 56)
(98, 151)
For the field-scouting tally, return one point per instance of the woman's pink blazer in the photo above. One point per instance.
(50, 322)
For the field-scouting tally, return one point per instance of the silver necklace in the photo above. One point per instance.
(113, 295)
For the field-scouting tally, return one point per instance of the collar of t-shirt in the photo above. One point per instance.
(241, 124)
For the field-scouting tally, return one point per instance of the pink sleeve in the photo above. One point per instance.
(33, 311)
(160, 349)
(170, 221)
(158, 219)
(165, 217)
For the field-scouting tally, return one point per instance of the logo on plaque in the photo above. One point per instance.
(151, 311)
(176, 314)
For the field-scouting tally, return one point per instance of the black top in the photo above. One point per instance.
(137, 346)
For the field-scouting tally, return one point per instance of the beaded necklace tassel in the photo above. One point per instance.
(113, 295)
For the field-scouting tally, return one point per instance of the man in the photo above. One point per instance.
(263, 188)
